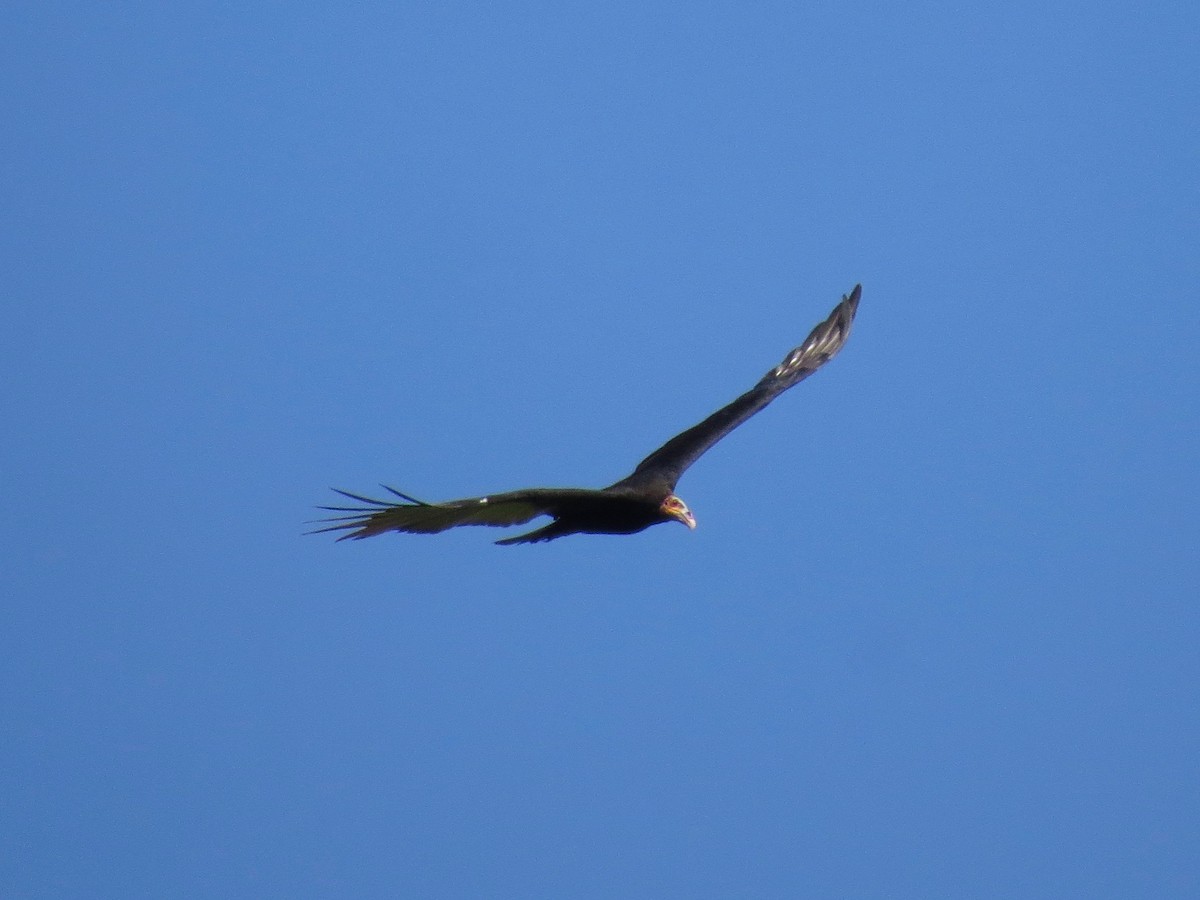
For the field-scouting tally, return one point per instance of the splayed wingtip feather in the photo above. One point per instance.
(406, 497)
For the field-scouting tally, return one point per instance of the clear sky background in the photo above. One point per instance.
(937, 633)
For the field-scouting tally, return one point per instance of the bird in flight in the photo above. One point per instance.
(644, 498)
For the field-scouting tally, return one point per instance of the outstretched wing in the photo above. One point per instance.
(668, 462)
(415, 516)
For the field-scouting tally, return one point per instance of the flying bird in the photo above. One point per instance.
(646, 497)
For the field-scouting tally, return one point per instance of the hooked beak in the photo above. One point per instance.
(678, 511)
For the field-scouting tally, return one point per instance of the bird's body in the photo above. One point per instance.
(613, 510)
(644, 498)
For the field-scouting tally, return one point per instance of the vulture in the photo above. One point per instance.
(645, 497)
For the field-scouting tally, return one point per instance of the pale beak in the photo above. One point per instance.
(685, 516)
(677, 510)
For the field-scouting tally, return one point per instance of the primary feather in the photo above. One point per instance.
(417, 517)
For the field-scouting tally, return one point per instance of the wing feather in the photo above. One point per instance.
(668, 462)
(417, 517)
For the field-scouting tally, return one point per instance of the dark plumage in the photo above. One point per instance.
(646, 497)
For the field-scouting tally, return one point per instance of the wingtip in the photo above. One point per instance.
(851, 299)
(405, 497)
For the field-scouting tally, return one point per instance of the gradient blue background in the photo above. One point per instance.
(936, 635)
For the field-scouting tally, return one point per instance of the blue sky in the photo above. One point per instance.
(936, 635)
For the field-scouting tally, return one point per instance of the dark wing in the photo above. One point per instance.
(668, 462)
(414, 516)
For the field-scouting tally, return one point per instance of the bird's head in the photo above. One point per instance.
(674, 508)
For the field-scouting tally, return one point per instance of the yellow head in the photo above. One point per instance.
(674, 508)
